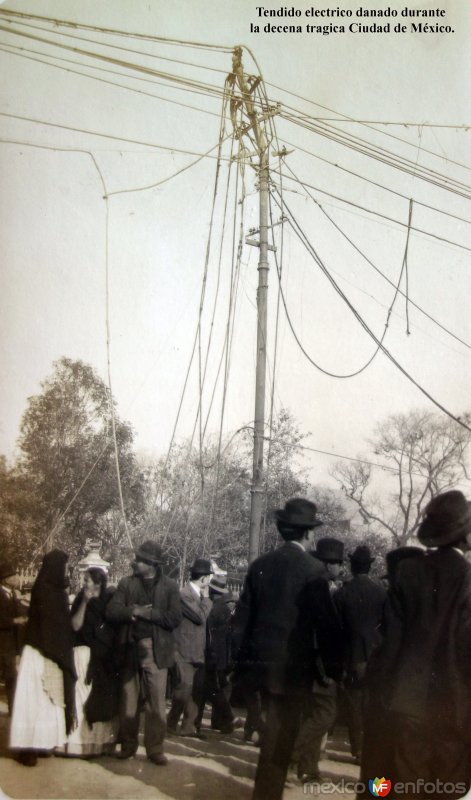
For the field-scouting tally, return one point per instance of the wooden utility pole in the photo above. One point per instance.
(247, 87)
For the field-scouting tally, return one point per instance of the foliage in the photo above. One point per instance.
(201, 506)
(67, 458)
(17, 503)
(428, 454)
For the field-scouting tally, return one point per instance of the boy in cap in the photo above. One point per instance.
(147, 606)
(190, 640)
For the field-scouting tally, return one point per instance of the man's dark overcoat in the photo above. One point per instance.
(273, 626)
(425, 659)
(360, 602)
(166, 614)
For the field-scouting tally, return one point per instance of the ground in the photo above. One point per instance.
(220, 768)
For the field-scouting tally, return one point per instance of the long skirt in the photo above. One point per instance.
(38, 720)
(85, 740)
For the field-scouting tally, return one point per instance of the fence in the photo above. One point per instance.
(28, 576)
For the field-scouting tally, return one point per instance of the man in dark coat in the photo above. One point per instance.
(425, 659)
(320, 709)
(190, 641)
(218, 656)
(378, 737)
(274, 639)
(147, 605)
(12, 614)
(360, 602)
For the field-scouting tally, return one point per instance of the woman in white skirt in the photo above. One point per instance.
(96, 690)
(44, 704)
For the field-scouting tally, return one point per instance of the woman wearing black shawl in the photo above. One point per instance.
(96, 690)
(44, 705)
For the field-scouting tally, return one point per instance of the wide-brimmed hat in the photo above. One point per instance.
(329, 549)
(298, 513)
(150, 552)
(201, 566)
(447, 520)
(361, 556)
(7, 569)
(218, 584)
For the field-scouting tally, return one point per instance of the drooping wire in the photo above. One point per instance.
(375, 213)
(282, 204)
(50, 536)
(279, 270)
(304, 239)
(339, 136)
(338, 166)
(235, 268)
(108, 361)
(197, 339)
(202, 293)
(51, 533)
(108, 136)
(371, 263)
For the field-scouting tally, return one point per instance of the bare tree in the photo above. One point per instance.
(423, 453)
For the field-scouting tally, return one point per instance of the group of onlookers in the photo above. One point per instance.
(87, 672)
(298, 644)
(402, 661)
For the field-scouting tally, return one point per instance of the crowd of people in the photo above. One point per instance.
(294, 647)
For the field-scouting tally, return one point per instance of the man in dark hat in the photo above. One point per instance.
(274, 639)
(425, 657)
(320, 709)
(190, 640)
(147, 605)
(360, 602)
(218, 658)
(12, 615)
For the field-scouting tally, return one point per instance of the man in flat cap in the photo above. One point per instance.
(425, 657)
(147, 605)
(361, 604)
(274, 640)
(190, 640)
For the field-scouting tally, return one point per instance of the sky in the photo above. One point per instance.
(55, 247)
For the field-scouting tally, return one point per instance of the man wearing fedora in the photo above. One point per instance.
(190, 641)
(425, 656)
(12, 615)
(361, 605)
(274, 639)
(147, 606)
(320, 709)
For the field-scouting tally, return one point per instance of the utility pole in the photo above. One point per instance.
(247, 86)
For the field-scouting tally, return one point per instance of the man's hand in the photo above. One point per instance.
(20, 620)
(141, 612)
